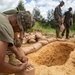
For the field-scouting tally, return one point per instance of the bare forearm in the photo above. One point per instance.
(8, 68)
(14, 50)
(19, 56)
(63, 19)
(5, 67)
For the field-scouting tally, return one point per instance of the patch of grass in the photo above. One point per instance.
(37, 26)
(48, 29)
(72, 32)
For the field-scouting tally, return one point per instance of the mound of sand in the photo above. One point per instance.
(55, 53)
(57, 58)
(71, 40)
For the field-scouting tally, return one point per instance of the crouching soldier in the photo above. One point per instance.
(10, 24)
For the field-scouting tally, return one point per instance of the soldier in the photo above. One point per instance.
(68, 21)
(10, 24)
(58, 18)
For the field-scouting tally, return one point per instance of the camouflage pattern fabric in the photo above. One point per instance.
(58, 20)
(58, 15)
(24, 20)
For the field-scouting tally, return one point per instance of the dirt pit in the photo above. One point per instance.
(55, 53)
(56, 58)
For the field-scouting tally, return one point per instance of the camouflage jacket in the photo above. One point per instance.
(57, 13)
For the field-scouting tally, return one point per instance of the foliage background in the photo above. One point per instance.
(45, 25)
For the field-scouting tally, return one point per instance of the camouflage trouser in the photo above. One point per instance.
(67, 27)
(57, 31)
(58, 24)
(11, 58)
(9, 53)
(8, 59)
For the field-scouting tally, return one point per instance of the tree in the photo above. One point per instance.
(48, 16)
(50, 19)
(21, 6)
(36, 14)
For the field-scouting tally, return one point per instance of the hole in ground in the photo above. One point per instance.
(56, 53)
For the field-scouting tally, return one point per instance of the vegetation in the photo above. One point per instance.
(48, 29)
(42, 24)
(49, 22)
(20, 7)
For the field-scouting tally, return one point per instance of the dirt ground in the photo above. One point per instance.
(56, 58)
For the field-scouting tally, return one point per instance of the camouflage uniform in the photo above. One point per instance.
(24, 20)
(67, 23)
(57, 16)
(6, 31)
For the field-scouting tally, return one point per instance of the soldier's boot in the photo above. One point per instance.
(62, 34)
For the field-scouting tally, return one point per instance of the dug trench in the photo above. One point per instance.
(56, 53)
(53, 59)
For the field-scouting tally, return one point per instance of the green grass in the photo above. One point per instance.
(37, 26)
(72, 29)
(72, 32)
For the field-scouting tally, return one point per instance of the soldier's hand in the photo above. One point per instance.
(23, 66)
(24, 59)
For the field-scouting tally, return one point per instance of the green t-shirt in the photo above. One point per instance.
(6, 30)
(68, 16)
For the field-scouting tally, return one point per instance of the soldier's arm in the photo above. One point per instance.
(6, 67)
(71, 19)
(19, 56)
(14, 50)
(63, 19)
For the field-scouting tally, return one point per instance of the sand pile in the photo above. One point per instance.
(71, 40)
(55, 53)
(70, 64)
(57, 58)
(66, 69)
